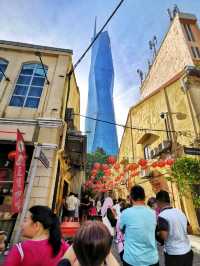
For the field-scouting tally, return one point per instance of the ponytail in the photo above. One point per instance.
(55, 235)
(49, 221)
(111, 217)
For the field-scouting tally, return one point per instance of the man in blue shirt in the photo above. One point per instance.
(139, 224)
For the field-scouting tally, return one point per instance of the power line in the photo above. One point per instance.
(96, 37)
(87, 50)
(135, 128)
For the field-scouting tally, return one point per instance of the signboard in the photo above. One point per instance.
(42, 158)
(19, 174)
(192, 150)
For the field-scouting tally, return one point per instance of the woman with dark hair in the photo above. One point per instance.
(91, 247)
(44, 246)
(110, 220)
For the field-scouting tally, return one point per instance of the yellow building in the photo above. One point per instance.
(37, 99)
(170, 96)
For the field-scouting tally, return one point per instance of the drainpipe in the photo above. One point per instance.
(132, 136)
(185, 86)
(171, 124)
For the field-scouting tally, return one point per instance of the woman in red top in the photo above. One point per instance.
(44, 246)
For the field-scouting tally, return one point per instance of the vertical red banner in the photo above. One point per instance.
(19, 174)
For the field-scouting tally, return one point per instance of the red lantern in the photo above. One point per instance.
(117, 178)
(94, 172)
(169, 162)
(116, 166)
(11, 155)
(133, 166)
(104, 166)
(97, 166)
(104, 190)
(127, 168)
(142, 162)
(107, 172)
(104, 178)
(111, 160)
(135, 173)
(161, 163)
(154, 164)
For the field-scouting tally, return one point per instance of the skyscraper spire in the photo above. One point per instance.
(95, 27)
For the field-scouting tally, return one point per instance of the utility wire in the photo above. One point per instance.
(124, 126)
(87, 50)
(96, 37)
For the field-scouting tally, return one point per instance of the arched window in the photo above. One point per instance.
(3, 66)
(29, 86)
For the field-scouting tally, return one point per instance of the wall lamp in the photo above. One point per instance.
(179, 115)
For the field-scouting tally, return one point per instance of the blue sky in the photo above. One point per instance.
(69, 24)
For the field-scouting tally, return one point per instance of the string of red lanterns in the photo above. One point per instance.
(114, 173)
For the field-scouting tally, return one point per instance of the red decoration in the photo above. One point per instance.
(104, 166)
(116, 166)
(127, 168)
(154, 164)
(104, 178)
(11, 155)
(169, 162)
(117, 178)
(104, 190)
(107, 172)
(97, 166)
(94, 172)
(133, 166)
(161, 163)
(111, 160)
(135, 173)
(142, 162)
(19, 174)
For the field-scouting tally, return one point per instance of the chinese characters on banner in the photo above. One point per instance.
(19, 174)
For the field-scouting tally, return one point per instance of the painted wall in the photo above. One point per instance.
(44, 124)
(171, 59)
(147, 115)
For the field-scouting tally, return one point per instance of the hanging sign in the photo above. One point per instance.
(19, 174)
(42, 157)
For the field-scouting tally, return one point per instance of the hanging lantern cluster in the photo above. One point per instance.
(107, 176)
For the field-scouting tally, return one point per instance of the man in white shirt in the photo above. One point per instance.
(173, 228)
(71, 203)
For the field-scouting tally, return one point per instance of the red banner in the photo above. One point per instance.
(19, 174)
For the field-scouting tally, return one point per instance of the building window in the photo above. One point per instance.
(197, 52)
(147, 152)
(3, 66)
(29, 86)
(189, 32)
(193, 52)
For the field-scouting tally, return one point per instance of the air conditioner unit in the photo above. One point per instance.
(152, 154)
(167, 144)
(156, 150)
(69, 114)
(160, 147)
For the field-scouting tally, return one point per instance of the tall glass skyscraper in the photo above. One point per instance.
(100, 98)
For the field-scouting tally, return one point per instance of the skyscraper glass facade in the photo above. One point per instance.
(100, 99)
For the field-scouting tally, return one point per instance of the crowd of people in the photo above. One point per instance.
(138, 229)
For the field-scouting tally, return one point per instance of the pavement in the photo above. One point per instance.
(195, 243)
